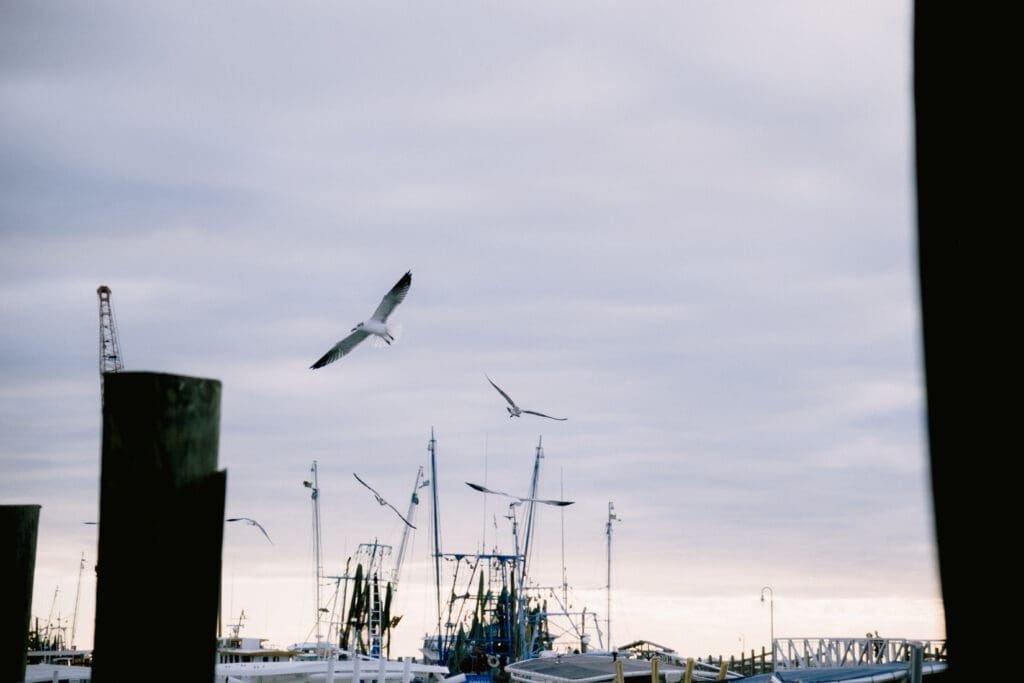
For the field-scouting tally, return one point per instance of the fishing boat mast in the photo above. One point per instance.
(432, 449)
(608, 585)
(561, 494)
(525, 557)
(317, 551)
(372, 555)
(530, 508)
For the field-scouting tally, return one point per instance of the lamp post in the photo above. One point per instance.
(771, 609)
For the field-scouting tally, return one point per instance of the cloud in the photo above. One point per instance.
(687, 229)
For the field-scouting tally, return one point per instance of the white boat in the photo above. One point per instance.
(236, 648)
(346, 669)
(57, 673)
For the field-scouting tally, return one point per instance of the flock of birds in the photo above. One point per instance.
(377, 326)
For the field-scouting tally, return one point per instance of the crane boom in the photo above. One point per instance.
(78, 590)
(413, 502)
(110, 352)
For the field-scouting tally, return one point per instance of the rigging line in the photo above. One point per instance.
(469, 588)
(449, 625)
(561, 496)
(483, 536)
(565, 611)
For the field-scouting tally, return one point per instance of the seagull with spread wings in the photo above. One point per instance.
(516, 411)
(380, 499)
(251, 522)
(484, 489)
(375, 325)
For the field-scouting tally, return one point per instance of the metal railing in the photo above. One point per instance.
(794, 653)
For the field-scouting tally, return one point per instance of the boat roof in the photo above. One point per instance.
(47, 673)
(583, 668)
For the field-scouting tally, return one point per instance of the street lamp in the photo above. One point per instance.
(771, 608)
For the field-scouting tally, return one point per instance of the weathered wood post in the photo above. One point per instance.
(19, 526)
(161, 527)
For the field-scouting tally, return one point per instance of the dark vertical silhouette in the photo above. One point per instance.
(161, 528)
(19, 526)
(966, 128)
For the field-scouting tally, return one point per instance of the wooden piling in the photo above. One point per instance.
(19, 527)
(161, 527)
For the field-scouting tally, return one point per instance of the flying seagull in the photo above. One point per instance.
(484, 489)
(516, 411)
(380, 499)
(375, 325)
(251, 522)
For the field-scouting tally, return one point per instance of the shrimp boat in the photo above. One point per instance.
(492, 617)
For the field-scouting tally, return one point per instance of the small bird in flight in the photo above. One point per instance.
(251, 522)
(375, 325)
(380, 499)
(484, 489)
(516, 411)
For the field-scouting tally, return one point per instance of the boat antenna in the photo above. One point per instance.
(561, 495)
(608, 586)
(432, 448)
(314, 486)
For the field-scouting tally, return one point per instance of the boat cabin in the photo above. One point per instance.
(235, 649)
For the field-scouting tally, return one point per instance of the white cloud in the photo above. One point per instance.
(685, 228)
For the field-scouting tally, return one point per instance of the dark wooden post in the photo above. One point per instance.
(19, 526)
(967, 142)
(161, 528)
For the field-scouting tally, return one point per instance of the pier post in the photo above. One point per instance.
(916, 663)
(19, 527)
(161, 527)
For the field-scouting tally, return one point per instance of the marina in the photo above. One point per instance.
(495, 624)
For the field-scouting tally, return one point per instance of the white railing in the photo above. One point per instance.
(794, 653)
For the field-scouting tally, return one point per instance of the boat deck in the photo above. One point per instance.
(586, 668)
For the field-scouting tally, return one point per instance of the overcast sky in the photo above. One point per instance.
(687, 227)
